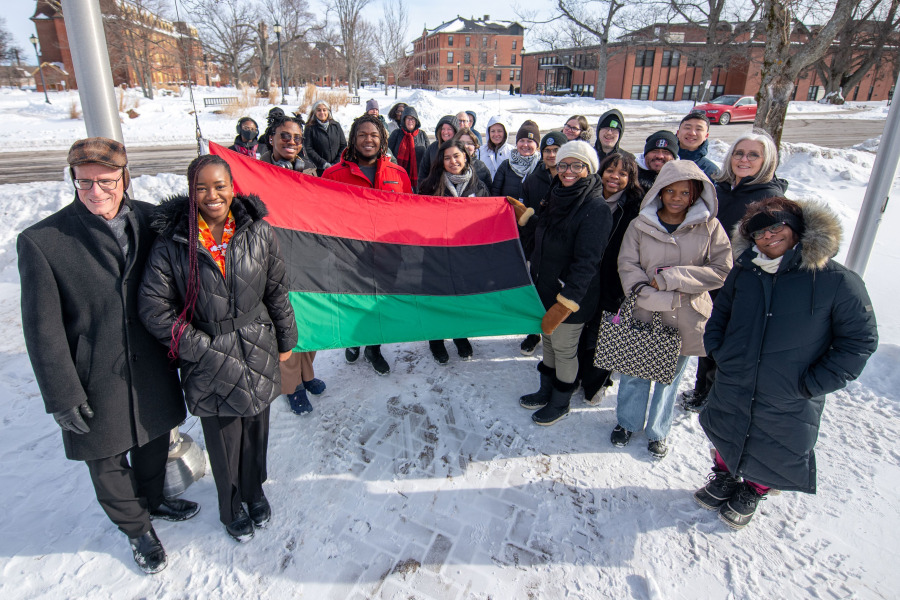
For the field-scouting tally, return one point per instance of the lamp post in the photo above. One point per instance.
(277, 29)
(521, 70)
(33, 39)
(457, 74)
(206, 68)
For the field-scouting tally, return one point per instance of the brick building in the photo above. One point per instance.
(471, 54)
(141, 45)
(655, 64)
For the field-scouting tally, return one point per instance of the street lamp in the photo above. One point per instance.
(33, 39)
(277, 29)
(206, 65)
(521, 70)
(457, 74)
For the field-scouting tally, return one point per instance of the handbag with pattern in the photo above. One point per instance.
(630, 346)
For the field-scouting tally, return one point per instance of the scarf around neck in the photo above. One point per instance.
(522, 165)
(456, 184)
(564, 201)
(769, 265)
(406, 154)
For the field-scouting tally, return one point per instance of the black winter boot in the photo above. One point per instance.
(558, 406)
(540, 398)
(738, 511)
(721, 487)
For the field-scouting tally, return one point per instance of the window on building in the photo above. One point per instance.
(512, 75)
(482, 76)
(519, 75)
(449, 40)
(871, 93)
(514, 44)
(665, 92)
(512, 59)
(644, 58)
(482, 58)
(467, 58)
(690, 92)
(670, 58)
(449, 74)
(450, 57)
(812, 93)
(468, 41)
(640, 92)
(499, 75)
(484, 41)
(466, 75)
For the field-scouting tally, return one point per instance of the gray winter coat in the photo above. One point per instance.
(781, 343)
(83, 334)
(233, 374)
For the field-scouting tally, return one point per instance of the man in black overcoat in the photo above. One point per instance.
(104, 378)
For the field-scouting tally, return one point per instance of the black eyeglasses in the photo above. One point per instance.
(761, 233)
(575, 167)
(107, 185)
(286, 137)
(570, 128)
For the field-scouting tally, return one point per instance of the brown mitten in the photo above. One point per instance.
(522, 212)
(556, 315)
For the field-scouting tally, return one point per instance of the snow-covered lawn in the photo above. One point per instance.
(431, 482)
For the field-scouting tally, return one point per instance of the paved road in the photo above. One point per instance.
(26, 167)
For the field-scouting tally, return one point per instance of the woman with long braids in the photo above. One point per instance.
(213, 290)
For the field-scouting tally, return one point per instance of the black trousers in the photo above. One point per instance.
(237, 448)
(128, 490)
(706, 375)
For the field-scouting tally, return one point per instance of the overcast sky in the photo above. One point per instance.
(421, 13)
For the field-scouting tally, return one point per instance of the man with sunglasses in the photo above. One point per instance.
(107, 382)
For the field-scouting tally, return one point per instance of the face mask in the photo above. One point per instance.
(248, 136)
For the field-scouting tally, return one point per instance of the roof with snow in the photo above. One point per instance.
(483, 25)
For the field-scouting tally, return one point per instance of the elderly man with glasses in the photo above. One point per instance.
(107, 382)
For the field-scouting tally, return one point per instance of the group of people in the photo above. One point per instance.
(130, 311)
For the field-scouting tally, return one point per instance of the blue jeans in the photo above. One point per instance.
(634, 394)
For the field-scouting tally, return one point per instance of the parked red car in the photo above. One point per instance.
(725, 109)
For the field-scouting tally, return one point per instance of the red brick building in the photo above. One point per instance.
(647, 68)
(471, 54)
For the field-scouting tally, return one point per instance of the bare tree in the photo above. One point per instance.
(783, 61)
(227, 32)
(353, 35)
(298, 27)
(717, 19)
(859, 46)
(392, 40)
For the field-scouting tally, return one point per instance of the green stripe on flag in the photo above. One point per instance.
(328, 320)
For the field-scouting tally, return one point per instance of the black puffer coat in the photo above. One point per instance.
(534, 190)
(324, 146)
(234, 374)
(733, 202)
(781, 343)
(568, 247)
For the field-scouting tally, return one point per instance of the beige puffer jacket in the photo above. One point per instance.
(697, 254)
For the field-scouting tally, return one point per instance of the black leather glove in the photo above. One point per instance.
(72, 419)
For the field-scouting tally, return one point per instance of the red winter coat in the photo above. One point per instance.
(388, 176)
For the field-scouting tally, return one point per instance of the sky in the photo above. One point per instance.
(421, 13)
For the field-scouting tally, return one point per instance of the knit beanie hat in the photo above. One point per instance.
(662, 140)
(529, 131)
(582, 151)
(554, 138)
(370, 104)
(612, 121)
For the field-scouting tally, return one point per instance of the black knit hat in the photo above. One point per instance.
(554, 138)
(612, 121)
(529, 131)
(662, 140)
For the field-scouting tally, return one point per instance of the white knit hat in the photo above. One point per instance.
(582, 151)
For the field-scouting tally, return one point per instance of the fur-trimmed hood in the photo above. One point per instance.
(819, 243)
(170, 218)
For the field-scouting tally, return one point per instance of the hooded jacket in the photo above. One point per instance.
(324, 146)
(733, 201)
(474, 117)
(695, 258)
(781, 343)
(421, 138)
(621, 119)
(568, 249)
(431, 152)
(494, 158)
(698, 157)
(393, 125)
(233, 374)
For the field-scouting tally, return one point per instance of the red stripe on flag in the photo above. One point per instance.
(306, 203)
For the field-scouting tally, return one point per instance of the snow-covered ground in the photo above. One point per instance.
(170, 120)
(431, 482)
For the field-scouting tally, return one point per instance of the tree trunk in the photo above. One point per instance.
(602, 63)
(265, 69)
(773, 104)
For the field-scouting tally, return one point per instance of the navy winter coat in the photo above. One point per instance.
(698, 157)
(733, 201)
(781, 343)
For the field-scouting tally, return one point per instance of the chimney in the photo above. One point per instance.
(487, 17)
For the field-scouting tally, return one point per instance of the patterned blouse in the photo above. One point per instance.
(209, 242)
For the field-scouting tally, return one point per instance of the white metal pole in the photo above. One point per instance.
(877, 192)
(87, 42)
